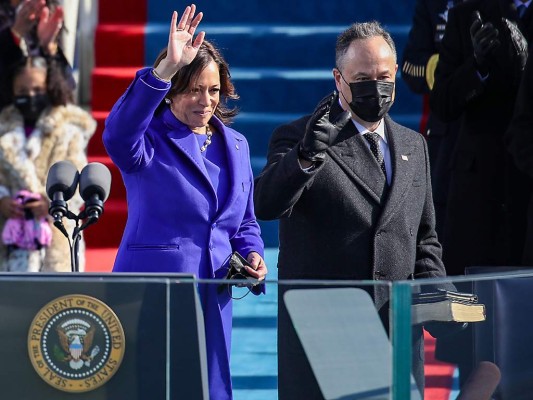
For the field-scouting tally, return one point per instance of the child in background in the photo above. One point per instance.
(40, 127)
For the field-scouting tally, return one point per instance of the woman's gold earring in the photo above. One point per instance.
(167, 100)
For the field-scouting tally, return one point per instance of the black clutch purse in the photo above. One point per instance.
(237, 271)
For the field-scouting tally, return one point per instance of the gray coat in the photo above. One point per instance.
(342, 221)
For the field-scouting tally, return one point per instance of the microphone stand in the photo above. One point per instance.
(76, 237)
(74, 246)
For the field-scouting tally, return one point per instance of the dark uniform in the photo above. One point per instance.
(418, 66)
(487, 201)
(520, 144)
(419, 60)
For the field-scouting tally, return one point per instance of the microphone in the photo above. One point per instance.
(95, 182)
(61, 184)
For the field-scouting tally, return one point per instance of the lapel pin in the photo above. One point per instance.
(404, 158)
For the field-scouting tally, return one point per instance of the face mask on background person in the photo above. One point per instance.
(371, 100)
(31, 106)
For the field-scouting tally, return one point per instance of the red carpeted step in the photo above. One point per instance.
(119, 42)
(118, 191)
(109, 38)
(100, 259)
(438, 375)
(122, 11)
(107, 232)
(108, 84)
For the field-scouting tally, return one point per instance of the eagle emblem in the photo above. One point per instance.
(76, 343)
(76, 338)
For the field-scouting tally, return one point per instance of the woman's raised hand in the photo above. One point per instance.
(48, 28)
(181, 48)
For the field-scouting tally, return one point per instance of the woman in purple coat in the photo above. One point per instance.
(188, 179)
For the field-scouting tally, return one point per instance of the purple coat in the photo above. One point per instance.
(175, 223)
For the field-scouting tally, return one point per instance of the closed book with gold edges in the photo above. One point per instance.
(446, 306)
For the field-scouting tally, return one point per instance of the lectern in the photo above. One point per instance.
(101, 336)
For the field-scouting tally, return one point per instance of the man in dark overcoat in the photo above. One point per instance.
(420, 58)
(353, 194)
(519, 138)
(481, 61)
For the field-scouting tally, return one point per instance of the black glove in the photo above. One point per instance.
(321, 132)
(519, 44)
(485, 41)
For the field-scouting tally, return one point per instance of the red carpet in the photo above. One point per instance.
(100, 259)
(438, 374)
(119, 52)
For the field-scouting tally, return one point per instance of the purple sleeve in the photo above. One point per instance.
(125, 135)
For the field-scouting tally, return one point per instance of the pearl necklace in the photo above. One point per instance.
(208, 140)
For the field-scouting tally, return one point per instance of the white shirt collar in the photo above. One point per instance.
(380, 130)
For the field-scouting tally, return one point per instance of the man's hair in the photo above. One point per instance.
(361, 30)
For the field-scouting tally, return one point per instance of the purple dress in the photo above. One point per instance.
(177, 220)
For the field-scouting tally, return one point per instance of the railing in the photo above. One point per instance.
(333, 326)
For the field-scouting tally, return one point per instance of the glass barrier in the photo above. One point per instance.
(312, 339)
(477, 333)
(114, 336)
(121, 336)
(100, 337)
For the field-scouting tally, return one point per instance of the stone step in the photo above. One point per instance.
(295, 12)
(261, 90)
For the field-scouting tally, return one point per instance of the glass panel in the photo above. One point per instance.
(98, 336)
(108, 336)
(473, 344)
(332, 339)
(332, 342)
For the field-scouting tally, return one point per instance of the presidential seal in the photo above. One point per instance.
(76, 343)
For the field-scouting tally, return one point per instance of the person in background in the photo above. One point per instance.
(188, 178)
(352, 191)
(30, 28)
(420, 58)
(519, 139)
(481, 61)
(40, 127)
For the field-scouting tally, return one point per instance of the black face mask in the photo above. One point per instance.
(371, 100)
(31, 106)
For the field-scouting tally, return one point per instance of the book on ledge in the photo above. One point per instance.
(446, 306)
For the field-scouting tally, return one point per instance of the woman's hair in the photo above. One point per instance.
(57, 88)
(187, 75)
